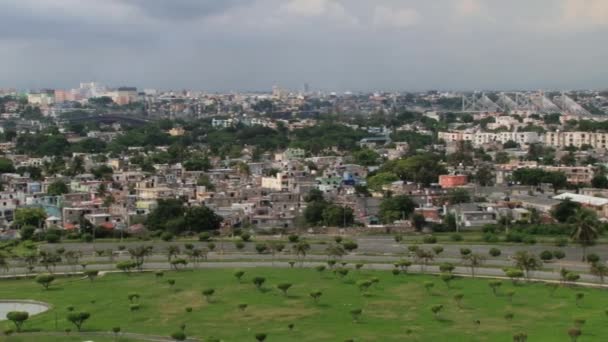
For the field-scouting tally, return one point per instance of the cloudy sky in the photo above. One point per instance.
(221, 45)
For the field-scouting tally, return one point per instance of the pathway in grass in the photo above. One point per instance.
(362, 304)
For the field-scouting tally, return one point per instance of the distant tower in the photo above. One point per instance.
(306, 88)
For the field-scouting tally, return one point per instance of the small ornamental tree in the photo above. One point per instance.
(91, 274)
(428, 286)
(258, 282)
(260, 337)
(208, 293)
(171, 282)
(116, 331)
(495, 285)
(133, 297)
(320, 268)
(495, 252)
(574, 334)
(356, 313)
(579, 298)
(284, 287)
(18, 318)
(45, 280)
(458, 299)
(238, 275)
(446, 267)
(437, 250)
(315, 295)
(242, 306)
(178, 336)
(436, 309)
(447, 278)
(78, 319)
(510, 295)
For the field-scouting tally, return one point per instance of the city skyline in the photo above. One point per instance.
(333, 45)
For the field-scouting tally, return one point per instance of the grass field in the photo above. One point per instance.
(397, 308)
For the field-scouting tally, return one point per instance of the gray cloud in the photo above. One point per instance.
(331, 44)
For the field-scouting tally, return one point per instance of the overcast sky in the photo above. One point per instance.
(222, 45)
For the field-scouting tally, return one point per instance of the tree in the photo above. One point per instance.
(574, 334)
(133, 297)
(18, 318)
(6, 166)
(315, 295)
(58, 188)
(585, 229)
(238, 275)
(436, 309)
(172, 251)
(179, 336)
(429, 286)
(527, 262)
(301, 248)
(201, 218)
(337, 216)
(208, 293)
(78, 318)
(356, 313)
(260, 337)
(33, 217)
(447, 278)
(495, 284)
(502, 158)
(91, 274)
(366, 157)
(473, 261)
(458, 299)
(484, 176)
(284, 287)
(418, 221)
(45, 280)
(599, 270)
(514, 274)
(437, 250)
(395, 208)
(457, 196)
(258, 282)
(600, 181)
(126, 265)
(495, 252)
(564, 210)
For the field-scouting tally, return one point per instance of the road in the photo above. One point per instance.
(385, 246)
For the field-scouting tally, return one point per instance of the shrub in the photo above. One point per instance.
(204, 236)
(246, 237)
(178, 336)
(561, 242)
(490, 237)
(514, 236)
(456, 237)
(546, 255)
(429, 239)
(166, 236)
(495, 252)
(529, 240)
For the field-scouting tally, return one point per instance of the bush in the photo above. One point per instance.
(86, 237)
(490, 237)
(429, 239)
(516, 237)
(245, 237)
(546, 255)
(529, 240)
(166, 236)
(204, 236)
(178, 336)
(495, 252)
(561, 242)
(456, 237)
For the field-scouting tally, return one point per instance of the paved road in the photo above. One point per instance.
(367, 245)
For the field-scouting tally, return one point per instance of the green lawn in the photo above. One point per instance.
(397, 308)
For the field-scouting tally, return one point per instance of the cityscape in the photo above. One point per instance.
(137, 210)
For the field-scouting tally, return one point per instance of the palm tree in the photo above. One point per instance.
(585, 232)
